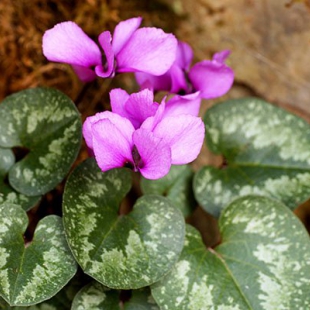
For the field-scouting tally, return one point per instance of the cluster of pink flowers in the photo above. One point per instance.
(140, 133)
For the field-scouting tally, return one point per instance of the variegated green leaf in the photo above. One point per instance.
(267, 151)
(95, 296)
(263, 263)
(7, 193)
(6, 161)
(47, 123)
(33, 272)
(176, 185)
(123, 252)
(61, 301)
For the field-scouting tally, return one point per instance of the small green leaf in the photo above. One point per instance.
(61, 301)
(96, 296)
(176, 185)
(31, 274)
(262, 263)
(141, 300)
(6, 161)
(122, 252)
(47, 123)
(7, 193)
(267, 151)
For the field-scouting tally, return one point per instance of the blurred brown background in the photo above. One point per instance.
(269, 40)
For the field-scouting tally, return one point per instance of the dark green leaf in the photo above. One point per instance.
(47, 123)
(122, 252)
(262, 263)
(267, 151)
(7, 193)
(176, 185)
(141, 300)
(96, 296)
(61, 301)
(35, 272)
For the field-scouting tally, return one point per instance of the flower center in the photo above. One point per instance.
(138, 163)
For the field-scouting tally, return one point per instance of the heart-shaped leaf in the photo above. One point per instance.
(267, 151)
(61, 301)
(7, 193)
(47, 123)
(176, 185)
(31, 274)
(262, 263)
(96, 296)
(123, 252)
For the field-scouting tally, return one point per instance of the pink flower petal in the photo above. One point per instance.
(140, 106)
(112, 144)
(118, 98)
(155, 83)
(67, 43)
(212, 78)
(184, 134)
(123, 31)
(149, 50)
(184, 55)
(115, 119)
(108, 68)
(188, 104)
(87, 128)
(136, 107)
(178, 80)
(174, 80)
(155, 154)
(84, 74)
(151, 122)
(221, 56)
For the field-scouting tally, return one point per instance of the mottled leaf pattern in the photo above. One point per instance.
(96, 296)
(267, 151)
(61, 301)
(122, 252)
(176, 185)
(47, 123)
(7, 193)
(35, 272)
(262, 263)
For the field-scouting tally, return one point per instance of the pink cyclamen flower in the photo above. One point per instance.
(210, 78)
(139, 106)
(160, 141)
(130, 49)
(136, 107)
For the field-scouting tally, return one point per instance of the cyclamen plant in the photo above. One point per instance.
(149, 258)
